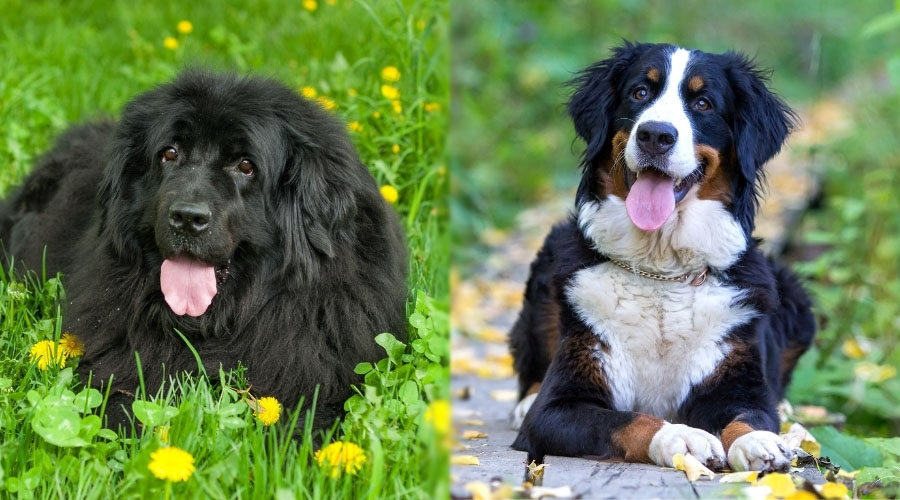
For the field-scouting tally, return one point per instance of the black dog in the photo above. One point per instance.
(229, 209)
(652, 325)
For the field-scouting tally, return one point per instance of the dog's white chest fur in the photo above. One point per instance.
(662, 337)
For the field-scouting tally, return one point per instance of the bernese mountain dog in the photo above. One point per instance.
(652, 324)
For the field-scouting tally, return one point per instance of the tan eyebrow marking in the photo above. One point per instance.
(696, 83)
(653, 75)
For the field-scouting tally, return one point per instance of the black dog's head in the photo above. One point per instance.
(666, 128)
(210, 168)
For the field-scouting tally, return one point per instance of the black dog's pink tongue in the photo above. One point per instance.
(651, 199)
(188, 285)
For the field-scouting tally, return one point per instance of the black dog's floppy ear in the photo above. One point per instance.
(762, 122)
(594, 99)
(316, 193)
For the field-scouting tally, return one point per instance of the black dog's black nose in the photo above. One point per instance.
(190, 218)
(656, 138)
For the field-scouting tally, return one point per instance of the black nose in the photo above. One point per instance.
(191, 218)
(656, 138)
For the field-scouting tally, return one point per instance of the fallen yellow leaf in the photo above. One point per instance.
(692, 467)
(470, 434)
(740, 477)
(781, 484)
(504, 395)
(479, 490)
(464, 460)
(833, 490)
(535, 473)
(801, 495)
(471, 421)
(811, 447)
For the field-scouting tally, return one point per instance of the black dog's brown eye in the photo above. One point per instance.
(639, 93)
(702, 105)
(169, 154)
(246, 167)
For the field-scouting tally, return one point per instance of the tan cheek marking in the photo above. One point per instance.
(634, 439)
(653, 75)
(715, 184)
(534, 389)
(612, 178)
(733, 431)
(696, 83)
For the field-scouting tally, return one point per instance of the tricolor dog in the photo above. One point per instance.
(652, 324)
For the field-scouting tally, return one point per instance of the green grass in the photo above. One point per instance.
(66, 62)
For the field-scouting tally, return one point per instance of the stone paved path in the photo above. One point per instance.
(486, 304)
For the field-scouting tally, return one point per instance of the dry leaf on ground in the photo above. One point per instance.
(692, 467)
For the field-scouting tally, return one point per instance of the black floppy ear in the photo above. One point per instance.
(762, 122)
(315, 196)
(595, 97)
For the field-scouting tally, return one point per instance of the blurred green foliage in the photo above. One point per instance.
(855, 279)
(512, 144)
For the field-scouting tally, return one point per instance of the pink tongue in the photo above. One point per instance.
(651, 200)
(188, 285)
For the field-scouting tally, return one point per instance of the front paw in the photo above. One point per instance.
(760, 450)
(672, 439)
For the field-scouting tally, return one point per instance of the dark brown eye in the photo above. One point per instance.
(702, 105)
(169, 154)
(639, 94)
(246, 167)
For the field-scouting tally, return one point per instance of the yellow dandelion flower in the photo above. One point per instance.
(310, 5)
(395, 148)
(341, 457)
(47, 352)
(390, 92)
(171, 464)
(269, 410)
(390, 74)
(327, 103)
(170, 43)
(376, 115)
(309, 92)
(352, 92)
(390, 193)
(420, 24)
(852, 349)
(354, 126)
(397, 107)
(438, 415)
(71, 346)
(873, 372)
(185, 27)
(442, 170)
(431, 107)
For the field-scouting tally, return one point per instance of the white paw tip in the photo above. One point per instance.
(518, 414)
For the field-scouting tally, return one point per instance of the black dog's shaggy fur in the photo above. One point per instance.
(310, 262)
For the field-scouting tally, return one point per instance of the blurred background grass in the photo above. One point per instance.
(512, 147)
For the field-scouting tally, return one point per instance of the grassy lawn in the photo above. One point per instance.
(65, 62)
